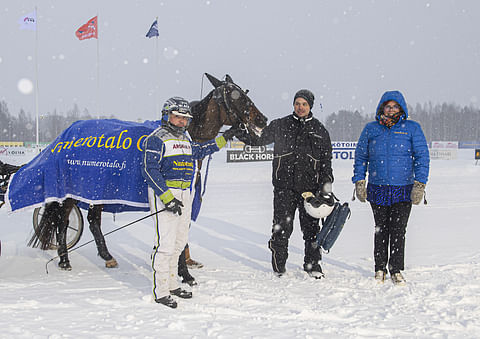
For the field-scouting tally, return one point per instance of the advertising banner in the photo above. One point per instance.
(239, 152)
(444, 144)
(249, 154)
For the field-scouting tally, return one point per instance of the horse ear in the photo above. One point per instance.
(228, 78)
(214, 81)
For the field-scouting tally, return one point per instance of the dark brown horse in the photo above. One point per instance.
(227, 104)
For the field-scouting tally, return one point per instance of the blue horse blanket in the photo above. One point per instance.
(92, 161)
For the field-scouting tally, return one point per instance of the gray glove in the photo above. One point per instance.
(417, 192)
(361, 190)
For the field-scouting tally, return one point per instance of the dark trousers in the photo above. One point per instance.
(390, 228)
(285, 203)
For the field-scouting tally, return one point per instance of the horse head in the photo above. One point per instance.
(227, 104)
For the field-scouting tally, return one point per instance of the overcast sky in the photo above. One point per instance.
(347, 52)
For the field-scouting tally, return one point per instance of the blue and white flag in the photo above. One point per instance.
(153, 31)
(92, 161)
(28, 21)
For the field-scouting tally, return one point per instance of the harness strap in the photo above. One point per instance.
(206, 175)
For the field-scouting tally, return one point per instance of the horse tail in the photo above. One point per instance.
(44, 235)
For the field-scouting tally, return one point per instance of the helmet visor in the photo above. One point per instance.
(181, 113)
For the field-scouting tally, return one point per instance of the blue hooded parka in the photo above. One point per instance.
(393, 156)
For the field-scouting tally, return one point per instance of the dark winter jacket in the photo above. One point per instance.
(393, 156)
(302, 152)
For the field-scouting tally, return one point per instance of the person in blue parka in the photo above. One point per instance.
(394, 152)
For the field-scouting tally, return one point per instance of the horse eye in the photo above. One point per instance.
(235, 94)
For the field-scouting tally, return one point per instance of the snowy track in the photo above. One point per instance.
(238, 296)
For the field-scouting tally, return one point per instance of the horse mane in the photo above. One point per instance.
(199, 108)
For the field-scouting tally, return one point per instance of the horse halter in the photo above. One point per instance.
(228, 108)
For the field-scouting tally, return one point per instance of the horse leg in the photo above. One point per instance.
(94, 218)
(183, 270)
(61, 212)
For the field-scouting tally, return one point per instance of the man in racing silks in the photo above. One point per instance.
(168, 167)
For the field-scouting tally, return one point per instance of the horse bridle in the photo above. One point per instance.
(230, 111)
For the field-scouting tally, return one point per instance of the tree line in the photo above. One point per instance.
(50, 125)
(440, 122)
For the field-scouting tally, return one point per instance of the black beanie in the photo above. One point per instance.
(305, 94)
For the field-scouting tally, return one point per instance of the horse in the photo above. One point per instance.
(227, 104)
(6, 171)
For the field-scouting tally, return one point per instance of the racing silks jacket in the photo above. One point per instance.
(169, 160)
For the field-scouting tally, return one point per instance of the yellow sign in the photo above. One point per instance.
(11, 143)
(236, 144)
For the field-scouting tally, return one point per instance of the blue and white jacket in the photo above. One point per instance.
(169, 160)
(393, 156)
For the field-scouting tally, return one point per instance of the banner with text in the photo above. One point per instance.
(239, 152)
(93, 161)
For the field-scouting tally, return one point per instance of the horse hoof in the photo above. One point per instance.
(112, 263)
(65, 266)
(193, 264)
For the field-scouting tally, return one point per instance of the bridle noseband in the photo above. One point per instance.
(221, 95)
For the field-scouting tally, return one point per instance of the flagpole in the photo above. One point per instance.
(98, 67)
(157, 106)
(36, 81)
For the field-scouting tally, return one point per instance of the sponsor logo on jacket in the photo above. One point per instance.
(183, 145)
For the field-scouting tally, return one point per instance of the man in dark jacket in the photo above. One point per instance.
(302, 163)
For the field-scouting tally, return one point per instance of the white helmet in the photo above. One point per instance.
(318, 206)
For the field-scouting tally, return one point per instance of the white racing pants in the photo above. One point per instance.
(171, 236)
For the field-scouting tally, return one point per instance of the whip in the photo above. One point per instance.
(113, 231)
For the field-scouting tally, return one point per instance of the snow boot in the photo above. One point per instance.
(316, 274)
(380, 276)
(314, 270)
(181, 293)
(312, 259)
(398, 279)
(279, 255)
(167, 301)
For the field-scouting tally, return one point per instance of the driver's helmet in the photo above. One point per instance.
(320, 205)
(177, 106)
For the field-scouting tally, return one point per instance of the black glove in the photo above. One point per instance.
(174, 206)
(231, 132)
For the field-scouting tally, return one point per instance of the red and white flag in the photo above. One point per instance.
(89, 30)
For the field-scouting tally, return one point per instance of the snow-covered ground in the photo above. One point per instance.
(238, 296)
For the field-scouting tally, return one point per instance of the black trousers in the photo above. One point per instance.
(285, 203)
(390, 228)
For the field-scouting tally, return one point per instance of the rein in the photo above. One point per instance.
(113, 231)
